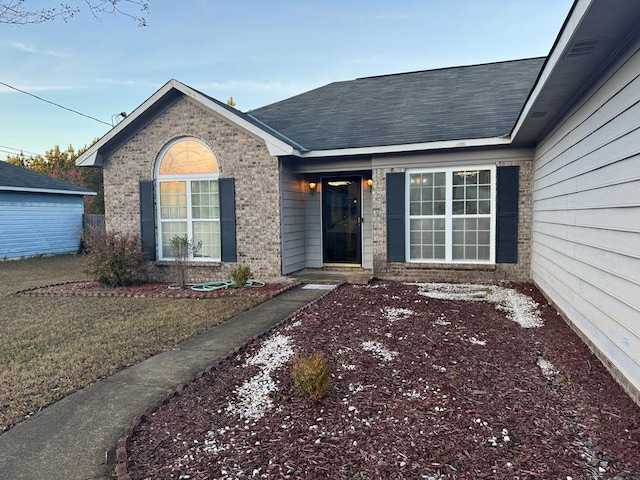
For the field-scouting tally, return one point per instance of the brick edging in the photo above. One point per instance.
(121, 471)
(33, 292)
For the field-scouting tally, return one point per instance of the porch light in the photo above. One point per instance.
(370, 184)
(312, 187)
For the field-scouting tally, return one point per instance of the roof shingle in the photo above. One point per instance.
(19, 178)
(478, 101)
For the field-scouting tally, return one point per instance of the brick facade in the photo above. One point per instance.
(258, 218)
(428, 272)
(239, 155)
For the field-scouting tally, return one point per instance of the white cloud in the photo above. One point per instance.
(35, 88)
(127, 82)
(252, 86)
(23, 47)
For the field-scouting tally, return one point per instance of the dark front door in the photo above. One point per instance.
(341, 220)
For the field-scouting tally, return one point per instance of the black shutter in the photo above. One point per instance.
(507, 186)
(228, 220)
(395, 217)
(147, 219)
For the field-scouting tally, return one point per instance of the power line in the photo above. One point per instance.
(18, 151)
(53, 103)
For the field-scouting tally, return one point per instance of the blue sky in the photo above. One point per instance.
(256, 51)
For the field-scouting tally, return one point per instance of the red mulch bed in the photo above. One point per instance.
(148, 289)
(446, 406)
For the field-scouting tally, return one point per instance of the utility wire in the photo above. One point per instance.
(53, 103)
(17, 151)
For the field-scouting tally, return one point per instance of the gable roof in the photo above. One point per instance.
(19, 179)
(162, 99)
(459, 103)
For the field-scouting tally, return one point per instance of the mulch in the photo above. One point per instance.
(462, 397)
(148, 289)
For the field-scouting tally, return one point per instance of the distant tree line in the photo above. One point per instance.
(61, 164)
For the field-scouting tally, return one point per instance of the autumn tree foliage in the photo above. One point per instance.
(61, 164)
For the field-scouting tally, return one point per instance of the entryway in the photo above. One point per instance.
(342, 221)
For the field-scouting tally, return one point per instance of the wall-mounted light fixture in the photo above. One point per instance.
(370, 184)
(312, 187)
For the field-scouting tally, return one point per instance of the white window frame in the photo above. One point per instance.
(187, 178)
(449, 214)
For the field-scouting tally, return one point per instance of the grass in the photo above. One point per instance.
(53, 346)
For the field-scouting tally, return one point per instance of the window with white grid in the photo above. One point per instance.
(188, 199)
(451, 215)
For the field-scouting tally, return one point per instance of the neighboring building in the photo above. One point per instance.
(517, 170)
(39, 215)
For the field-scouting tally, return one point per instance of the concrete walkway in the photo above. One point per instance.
(75, 438)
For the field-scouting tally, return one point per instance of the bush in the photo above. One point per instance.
(182, 249)
(113, 258)
(311, 375)
(240, 275)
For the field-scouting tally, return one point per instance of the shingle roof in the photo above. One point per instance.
(17, 178)
(478, 101)
(253, 120)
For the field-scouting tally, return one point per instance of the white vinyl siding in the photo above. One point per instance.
(293, 223)
(313, 228)
(586, 216)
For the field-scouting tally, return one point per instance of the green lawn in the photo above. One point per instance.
(53, 346)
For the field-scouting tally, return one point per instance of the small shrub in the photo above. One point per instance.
(241, 274)
(182, 250)
(311, 375)
(113, 258)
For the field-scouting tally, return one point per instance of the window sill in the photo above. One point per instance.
(192, 263)
(487, 267)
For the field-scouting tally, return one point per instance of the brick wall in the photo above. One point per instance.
(239, 155)
(520, 271)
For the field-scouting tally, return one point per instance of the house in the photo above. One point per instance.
(517, 170)
(39, 215)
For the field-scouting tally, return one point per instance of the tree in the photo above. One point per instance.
(231, 102)
(17, 12)
(61, 164)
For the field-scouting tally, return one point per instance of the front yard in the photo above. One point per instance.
(53, 346)
(429, 382)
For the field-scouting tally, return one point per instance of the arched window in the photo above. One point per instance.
(188, 200)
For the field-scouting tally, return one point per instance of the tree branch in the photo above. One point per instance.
(15, 12)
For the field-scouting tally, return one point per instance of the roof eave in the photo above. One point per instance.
(594, 36)
(572, 22)
(45, 190)
(411, 147)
